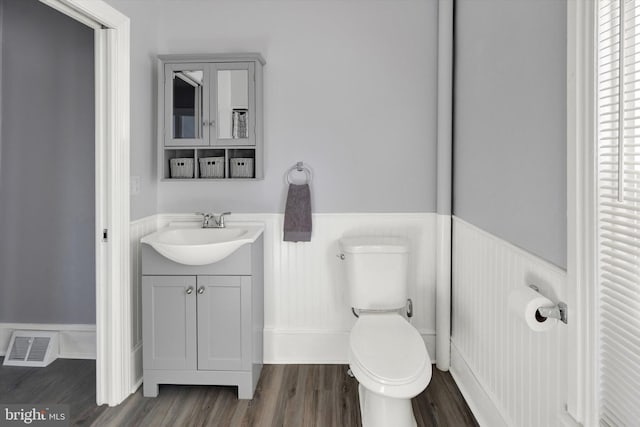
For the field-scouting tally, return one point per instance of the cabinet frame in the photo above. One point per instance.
(253, 62)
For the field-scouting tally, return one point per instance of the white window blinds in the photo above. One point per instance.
(618, 133)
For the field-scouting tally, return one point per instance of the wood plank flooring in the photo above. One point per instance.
(65, 381)
(287, 395)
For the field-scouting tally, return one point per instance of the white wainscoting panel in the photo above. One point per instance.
(521, 372)
(138, 230)
(306, 294)
(307, 313)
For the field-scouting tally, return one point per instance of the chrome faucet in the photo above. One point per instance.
(218, 221)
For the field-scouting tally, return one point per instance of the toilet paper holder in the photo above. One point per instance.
(560, 311)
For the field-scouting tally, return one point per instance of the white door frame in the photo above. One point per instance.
(113, 297)
(582, 399)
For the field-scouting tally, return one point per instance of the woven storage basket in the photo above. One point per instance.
(241, 167)
(181, 167)
(211, 167)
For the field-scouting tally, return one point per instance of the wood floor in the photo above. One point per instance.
(65, 381)
(287, 395)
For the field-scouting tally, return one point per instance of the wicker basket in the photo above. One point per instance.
(241, 167)
(211, 167)
(181, 167)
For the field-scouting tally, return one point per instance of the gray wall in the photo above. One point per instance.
(47, 267)
(510, 121)
(350, 89)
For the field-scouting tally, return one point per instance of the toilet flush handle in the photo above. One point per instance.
(409, 307)
(341, 256)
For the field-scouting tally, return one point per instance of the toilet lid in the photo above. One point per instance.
(388, 348)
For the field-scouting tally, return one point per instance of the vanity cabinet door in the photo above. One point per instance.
(186, 105)
(224, 322)
(169, 322)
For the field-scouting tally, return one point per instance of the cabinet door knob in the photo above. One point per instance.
(212, 123)
(201, 290)
(189, 290)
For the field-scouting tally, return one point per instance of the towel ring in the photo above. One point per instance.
(299, 167)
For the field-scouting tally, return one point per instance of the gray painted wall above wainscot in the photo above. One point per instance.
(349, 88)
(510, 121)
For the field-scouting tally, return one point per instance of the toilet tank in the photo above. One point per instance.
(376, 271)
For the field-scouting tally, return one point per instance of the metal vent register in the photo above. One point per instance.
(32, 348)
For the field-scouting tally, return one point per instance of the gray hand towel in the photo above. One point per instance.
(297, 214)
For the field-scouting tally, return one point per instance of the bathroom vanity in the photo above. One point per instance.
(203, 324)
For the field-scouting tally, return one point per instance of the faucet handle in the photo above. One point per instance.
(221, 219)
(205, 218)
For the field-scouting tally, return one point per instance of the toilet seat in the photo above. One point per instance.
(388, 356)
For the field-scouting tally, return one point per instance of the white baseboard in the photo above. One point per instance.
(316, 347)
(483, 408)
(567, 420)
(76, 341)
(305, 347)
(430, 341)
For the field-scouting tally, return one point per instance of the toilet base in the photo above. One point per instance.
(382, 411)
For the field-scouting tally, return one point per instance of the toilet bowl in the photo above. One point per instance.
(387, 355)
(390, 361)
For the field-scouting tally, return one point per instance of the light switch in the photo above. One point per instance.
(134, 185)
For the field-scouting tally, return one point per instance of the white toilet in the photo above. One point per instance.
(386, 353)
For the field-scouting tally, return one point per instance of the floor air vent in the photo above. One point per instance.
(32, 348)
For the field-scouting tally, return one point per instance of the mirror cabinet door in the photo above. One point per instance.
(187, 104)
(235, 98)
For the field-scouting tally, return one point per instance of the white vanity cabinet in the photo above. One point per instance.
(210, 107)
(203, 324)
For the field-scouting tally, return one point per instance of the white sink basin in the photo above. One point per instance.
(186, 244)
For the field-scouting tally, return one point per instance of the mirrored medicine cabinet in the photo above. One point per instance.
(210, 116)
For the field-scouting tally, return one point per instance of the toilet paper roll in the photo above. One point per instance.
(524, 303)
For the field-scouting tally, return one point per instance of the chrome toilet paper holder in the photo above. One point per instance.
(560, 311)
